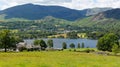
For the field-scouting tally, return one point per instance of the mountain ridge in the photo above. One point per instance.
(36, 12)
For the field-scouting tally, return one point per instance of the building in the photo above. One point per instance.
(82, 35)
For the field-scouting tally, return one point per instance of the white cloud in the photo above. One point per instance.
(83, 4)
(74, 4)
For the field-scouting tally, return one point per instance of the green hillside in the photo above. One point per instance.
(106, 24)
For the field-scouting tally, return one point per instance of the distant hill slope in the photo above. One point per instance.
(47, 23)
(36, 12)
(108, 20)
(113, 14)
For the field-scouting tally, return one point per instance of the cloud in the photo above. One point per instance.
(83, 4)
(10, 3)
(74, 4)
(56, 1)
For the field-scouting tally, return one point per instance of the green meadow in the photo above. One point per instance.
(57, 59)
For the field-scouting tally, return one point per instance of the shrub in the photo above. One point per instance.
(22, 49)
(74, 50)
(92, 50)
(69, 49)
(115, 49)
(87, 50)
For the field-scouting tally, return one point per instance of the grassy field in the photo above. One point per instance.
(57, 59)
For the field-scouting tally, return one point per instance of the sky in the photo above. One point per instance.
(73, 4)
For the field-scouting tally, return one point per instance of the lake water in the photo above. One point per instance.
(58, 42)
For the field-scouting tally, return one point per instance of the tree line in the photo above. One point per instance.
(72, 45)
(109, 42)
(50, 44)
(9, 41)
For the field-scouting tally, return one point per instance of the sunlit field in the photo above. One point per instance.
(57, 59)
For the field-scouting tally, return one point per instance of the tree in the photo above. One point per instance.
(50, 43)
(115, 49)
(106, 42)
(14, 40)
(7, 40)
(64, 45)
(43, 44)
(72, 35)
(36, 42)
(78, 45)
(72, 45)
(83, 45)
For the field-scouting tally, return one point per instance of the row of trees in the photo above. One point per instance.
(49, 44)
(72, 45)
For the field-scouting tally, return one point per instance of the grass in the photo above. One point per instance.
(57, 59)
(81, 49)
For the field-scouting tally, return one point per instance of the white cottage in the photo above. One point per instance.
(20, 45)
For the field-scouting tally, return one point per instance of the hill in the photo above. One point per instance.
(47, 23)
(108, 21)
(36, 12)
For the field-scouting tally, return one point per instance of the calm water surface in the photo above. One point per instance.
(58, 42)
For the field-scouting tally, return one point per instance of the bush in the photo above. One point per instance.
(87, 47)
(74, 50)
(69, 49)
(87, 50)
(92, 50)
(22, 49)
(115, 49)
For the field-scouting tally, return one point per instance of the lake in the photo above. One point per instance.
(58, 42)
